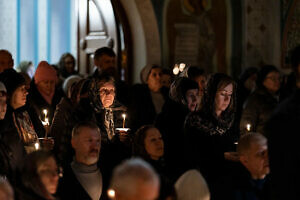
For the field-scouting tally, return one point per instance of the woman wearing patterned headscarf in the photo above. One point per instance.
(210, 131)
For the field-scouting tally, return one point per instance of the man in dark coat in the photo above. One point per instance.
(82, 178)
(249, 180)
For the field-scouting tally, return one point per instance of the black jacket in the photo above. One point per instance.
(141, 109)
(70, 188)
(283, 144)
(239, 185)
(36, 101)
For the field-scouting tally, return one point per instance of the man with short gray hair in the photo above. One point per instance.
(135, 179)
(249, 179)
(82, 178)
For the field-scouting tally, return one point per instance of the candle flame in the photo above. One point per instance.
(37, 146)
(248, 127)
(176, 69)
(45, 111)
(181, 67)
(124, 116)
(111, 193)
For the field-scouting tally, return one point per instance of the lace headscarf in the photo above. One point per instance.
(208, 121)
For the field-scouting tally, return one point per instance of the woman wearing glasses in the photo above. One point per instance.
(262, 102)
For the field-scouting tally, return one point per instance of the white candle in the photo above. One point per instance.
(124, 117)
(248, 127)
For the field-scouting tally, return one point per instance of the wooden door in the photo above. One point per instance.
(97, 27)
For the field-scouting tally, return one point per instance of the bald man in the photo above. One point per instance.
(135, 179)
(250, 180)
(6, 60)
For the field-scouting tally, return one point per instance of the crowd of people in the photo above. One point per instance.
(193, 136)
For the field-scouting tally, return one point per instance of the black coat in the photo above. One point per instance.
(239, 185)
(283, 143)
(61, 129)
(12, 146)
(207, 140)
(36, 100)
(170, 123)
(141, 109)
(12, 153)
(70, 188)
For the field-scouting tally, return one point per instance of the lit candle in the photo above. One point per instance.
(46, 122)
(45, 111)
(176, 69)
(248, 127)
(37, 146)
(124, 117)
(181, 67)
(111, 193)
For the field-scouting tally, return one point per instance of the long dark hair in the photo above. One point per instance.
(30, 177)
(138, 147)
(217, 82)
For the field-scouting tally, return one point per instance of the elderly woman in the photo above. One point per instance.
(39, 179)
(102, 107)
(262, 102)
(108, 111)
(210, 132)
(43, 93)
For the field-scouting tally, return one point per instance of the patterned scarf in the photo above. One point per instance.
(25, 128)
(109, 123)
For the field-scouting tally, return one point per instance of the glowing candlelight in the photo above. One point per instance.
(176, 69)
(36, 146)
(248, 127)
(124, 117)
(111, 193)
(45, 111)
(181, 67)
(46, 122)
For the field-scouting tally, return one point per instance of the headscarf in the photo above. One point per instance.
(179, 87)
(208, 121)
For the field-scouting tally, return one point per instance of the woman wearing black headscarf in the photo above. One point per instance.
(210, 133)
(184, 98)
